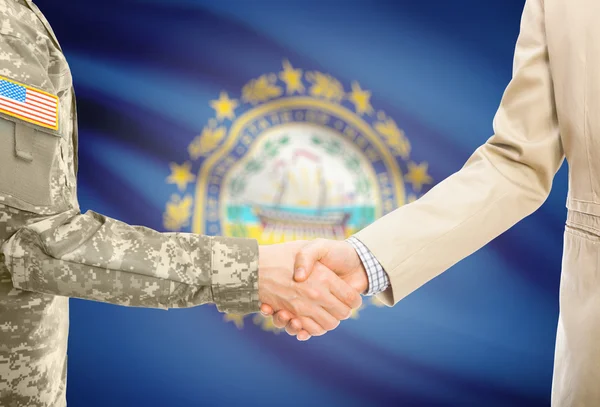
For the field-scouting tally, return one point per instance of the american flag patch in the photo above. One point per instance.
(29, 104)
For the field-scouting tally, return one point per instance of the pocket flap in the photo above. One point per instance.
(24, 140)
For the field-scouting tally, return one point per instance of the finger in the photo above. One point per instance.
(266, 310)
(325, 319)
(335, 295)
(282, 318)
(294, 327)
(311, 327)
(303, 336)
(345, 293)
(335, 307)
(307, 257)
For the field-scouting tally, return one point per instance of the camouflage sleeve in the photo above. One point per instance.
(94, 257)
(63, 252)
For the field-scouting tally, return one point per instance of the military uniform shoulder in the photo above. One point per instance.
(26, 46)
(18, 20)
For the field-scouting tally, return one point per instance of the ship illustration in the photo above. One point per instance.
(318, 222)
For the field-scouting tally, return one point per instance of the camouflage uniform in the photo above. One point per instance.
(50, 251)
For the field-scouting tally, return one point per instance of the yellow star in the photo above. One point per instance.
(181, 175)
(266, 323)
(412, 198)
(377, 302)
(178, 212)
(237, 319)
(355, 312)
(361, 99)
(292, 78)
(224, 107)
(417, 175)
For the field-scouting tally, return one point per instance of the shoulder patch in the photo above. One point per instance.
(28, 104)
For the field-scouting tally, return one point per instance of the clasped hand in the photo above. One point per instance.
(309, 287)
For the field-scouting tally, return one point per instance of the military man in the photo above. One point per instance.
(51, 251)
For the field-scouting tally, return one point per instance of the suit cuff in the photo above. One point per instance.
(376, 275)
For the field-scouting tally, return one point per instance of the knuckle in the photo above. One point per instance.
(313, 331)
(350, 298)
(306, 251)
(298, 306)
(322, 277)
(311, 327)
(280, 325)
(345, 313)
(295, 304)
(313, 294)
(359, 300)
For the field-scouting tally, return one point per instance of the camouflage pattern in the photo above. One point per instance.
(50, 251)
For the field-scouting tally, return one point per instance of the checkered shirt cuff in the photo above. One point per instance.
(378, 278)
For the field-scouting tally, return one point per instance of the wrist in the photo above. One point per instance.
(276, 263)
(358, 278)
(362, 279)
(262, 256)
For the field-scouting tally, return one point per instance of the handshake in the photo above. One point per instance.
(309, 287)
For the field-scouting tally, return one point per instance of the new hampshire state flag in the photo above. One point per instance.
(284, 120)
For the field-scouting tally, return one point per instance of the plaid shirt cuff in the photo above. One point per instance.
(378, 278)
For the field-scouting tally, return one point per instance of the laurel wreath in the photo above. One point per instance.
(351, 162)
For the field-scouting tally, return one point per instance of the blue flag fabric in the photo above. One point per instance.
(292, 119)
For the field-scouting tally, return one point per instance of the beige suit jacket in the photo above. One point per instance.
(550, 109)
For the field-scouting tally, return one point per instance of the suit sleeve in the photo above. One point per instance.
(505, 180)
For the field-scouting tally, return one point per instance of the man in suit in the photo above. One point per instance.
(550, 109)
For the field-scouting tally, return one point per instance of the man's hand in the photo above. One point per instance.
(336, 255)
(318, 303)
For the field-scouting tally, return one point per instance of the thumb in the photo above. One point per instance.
(307, 257)
(359, 282)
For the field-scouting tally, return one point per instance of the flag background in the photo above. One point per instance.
(144, 71)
